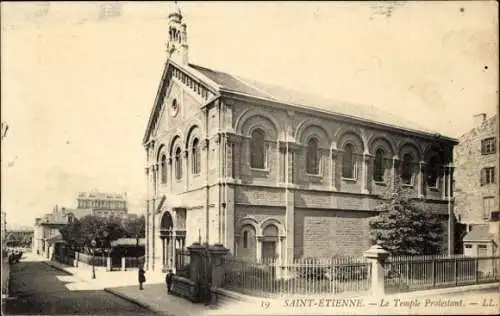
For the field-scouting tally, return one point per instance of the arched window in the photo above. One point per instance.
(245, 239)
(379, 166)
(348, 163)
(257, 149)
(163, 165)
(269, 242)
(248, 243)
(196, 157)
(407, 169)
(178, 164)
(433, 170)
(312, 161)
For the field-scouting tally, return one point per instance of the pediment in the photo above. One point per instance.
(179, 93)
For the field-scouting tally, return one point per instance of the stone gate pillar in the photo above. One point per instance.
(376, 255)
(217, 253)
(195, 253)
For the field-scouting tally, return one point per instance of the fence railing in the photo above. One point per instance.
(404, 274)
(133, 262)
(98, 261)
(66, 259)
(302, 276)
(182, 262)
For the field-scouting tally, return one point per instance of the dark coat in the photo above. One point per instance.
(142, 277)
(168, 278)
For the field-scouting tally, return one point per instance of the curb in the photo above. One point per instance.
(450, 290)
(68, 272)
(58, 268)
(131, 300)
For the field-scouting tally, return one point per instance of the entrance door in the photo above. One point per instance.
(268, 250)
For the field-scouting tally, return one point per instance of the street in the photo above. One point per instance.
(42, 290)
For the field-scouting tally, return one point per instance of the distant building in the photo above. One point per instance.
(476, 172)
(46, 230)
(102, 204)
(19, 237)
(482, 240)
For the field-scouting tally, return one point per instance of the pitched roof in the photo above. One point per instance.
(127, 242)
(479, 233)
(280, 94)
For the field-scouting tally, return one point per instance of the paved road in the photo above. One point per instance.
(42, 290)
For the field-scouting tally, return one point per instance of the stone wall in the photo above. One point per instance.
(469, 161)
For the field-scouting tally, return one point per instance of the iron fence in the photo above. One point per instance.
(134, 262)
(301, 276)
(67, 259)
(410, 273)
(182, 263)
(98, 261)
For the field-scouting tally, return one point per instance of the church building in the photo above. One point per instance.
(270, 172)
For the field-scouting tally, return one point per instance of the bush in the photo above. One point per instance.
(310, 270)
(351, 272)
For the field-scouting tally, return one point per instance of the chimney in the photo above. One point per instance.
(479, 119)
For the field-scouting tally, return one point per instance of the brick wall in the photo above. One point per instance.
(468, 163)
(325, 233)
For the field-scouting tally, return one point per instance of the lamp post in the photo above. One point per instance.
(93, 244)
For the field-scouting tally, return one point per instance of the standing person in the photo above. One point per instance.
(142, 278)
(168, 280)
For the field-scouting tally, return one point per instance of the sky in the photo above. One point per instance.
(78, 80)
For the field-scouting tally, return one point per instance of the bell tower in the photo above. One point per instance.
(177, 47)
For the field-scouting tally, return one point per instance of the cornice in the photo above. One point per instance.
(337, 116)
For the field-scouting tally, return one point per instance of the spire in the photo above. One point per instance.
(177, 47)
(175, 12)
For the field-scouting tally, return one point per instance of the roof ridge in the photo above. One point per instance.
(244, 81)
(317, 101)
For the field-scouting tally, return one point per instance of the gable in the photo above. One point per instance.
(189, 92)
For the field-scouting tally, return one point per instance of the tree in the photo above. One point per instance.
(72, 234)
(80, 233)
(135, 228)
(112, 230)
(405, 226)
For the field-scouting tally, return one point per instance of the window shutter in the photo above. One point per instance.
(483, 176)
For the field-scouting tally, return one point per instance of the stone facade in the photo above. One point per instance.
(299, 194)
(101, 204)
(476, 193)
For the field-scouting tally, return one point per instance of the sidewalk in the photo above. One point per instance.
(124, 284)
(103, 278)
(154, 297)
